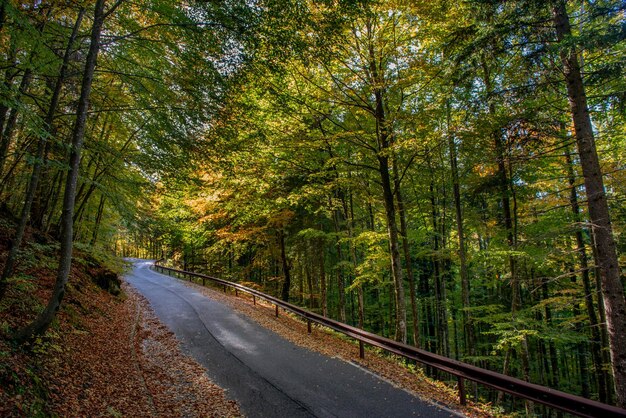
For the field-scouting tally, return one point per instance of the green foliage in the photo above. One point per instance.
(220, 130)
(295, 149)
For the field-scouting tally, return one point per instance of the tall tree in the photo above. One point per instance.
(599, 217)
(41, 323)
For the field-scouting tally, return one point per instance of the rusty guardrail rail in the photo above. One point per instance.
(566, 402)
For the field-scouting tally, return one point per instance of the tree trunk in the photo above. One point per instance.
(53, 198)
(301, 285)
(284, 294)
(322, 266)
(468, 326)
(612, 289)
(309, 283)
(9, 129)
(41, 323)
(359, 289)
(2, 15)
(96, 227)
(384, 139)
(340, 279)
(555, 381)
(594, 326)
(394, 250)
(407, 259)
(441, 322)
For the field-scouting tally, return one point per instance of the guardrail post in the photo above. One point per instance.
(361, 350)
(203, 281)
(276, 310)
(308, 325)
(224, 288)
(253, 299)
(236, 292)
(461, 384)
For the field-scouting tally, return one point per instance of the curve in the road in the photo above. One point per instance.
(267, 375)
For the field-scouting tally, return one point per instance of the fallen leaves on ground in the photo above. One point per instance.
(109, 356)
(126, 362)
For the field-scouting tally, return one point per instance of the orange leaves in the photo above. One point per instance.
(109, 357)
(241, 234)
(280, 219)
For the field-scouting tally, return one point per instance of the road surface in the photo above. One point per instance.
(267, 375)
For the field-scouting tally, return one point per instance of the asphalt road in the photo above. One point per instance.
(267, 375)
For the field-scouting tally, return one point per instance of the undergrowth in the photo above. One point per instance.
(23, 392)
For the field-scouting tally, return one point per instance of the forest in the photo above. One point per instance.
(448, 174)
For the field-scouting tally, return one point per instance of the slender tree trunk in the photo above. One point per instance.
(3, 15)
(612, 289)
(441, 322)
(9, 129)
(323, 295)
(394, 250)
(55, 195)
(340, 279)
(41, 323)
(427, 314)
(407, 258)
(468, 326)
(384, 138)
(581, 354)
(506, 365)
(594, 326)
(309, 280)
(359, 289)
(96, 227)
(9, 75)
(604, 334)
(78, 215)
(551, 346)
(301, 285)
(284, 294)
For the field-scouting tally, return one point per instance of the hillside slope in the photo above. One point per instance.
(105, 355)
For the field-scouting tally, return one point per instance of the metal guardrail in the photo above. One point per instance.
(566, 402)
